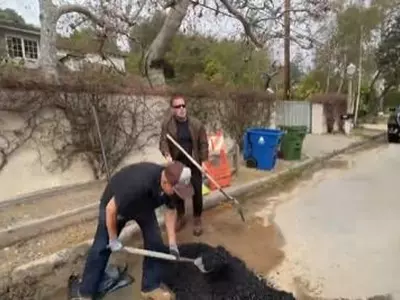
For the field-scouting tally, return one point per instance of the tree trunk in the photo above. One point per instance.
(328, 80)
(49, 16)
(381, 99)
(48, 39)
(159, 46)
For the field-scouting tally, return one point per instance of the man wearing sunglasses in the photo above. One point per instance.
(191, 135)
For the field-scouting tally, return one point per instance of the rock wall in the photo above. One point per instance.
(29, 168)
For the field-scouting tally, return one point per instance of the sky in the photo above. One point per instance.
(29, 10)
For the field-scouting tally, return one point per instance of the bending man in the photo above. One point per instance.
(134, 193)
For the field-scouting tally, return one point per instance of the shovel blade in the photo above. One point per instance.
(239, 209)
(241, 214)
(198, 262)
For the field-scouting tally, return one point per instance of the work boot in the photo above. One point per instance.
(180, 223)
(158, 294)
(197, 227)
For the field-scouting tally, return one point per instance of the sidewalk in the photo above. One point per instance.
(318, 145)
(314, 146)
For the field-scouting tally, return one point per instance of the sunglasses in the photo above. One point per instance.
(179, 106)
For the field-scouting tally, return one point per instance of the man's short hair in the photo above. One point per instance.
(179, 176)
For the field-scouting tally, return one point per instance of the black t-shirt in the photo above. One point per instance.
(185, 140)
(137, 189)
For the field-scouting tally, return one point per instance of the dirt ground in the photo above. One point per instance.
(251, 241)
(43, 245)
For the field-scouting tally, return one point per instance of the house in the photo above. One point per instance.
(21, 44)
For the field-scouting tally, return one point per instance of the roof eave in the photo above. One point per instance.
(34, 32)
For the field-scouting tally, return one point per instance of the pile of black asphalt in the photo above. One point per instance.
(230, 279)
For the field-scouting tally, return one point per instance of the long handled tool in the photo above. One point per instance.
(229, 197)
(198, 262)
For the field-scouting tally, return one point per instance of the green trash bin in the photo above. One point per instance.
(292, 142)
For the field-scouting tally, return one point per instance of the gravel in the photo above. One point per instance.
(234, 281)
(215, 259)
(48, 206)
(47, 244)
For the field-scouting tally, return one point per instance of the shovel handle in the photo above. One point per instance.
(230, 198)
(201, 169)
(155, 254)
(193, 161)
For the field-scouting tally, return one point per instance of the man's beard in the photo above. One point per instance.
(180, 119)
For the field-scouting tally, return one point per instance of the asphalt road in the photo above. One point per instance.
(342, 229)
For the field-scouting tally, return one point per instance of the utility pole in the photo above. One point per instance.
(286, 73)
(359, 77)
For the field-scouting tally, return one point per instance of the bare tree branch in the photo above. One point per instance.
(163, 39)
(75, 8)
(108, 18)
(245, 23)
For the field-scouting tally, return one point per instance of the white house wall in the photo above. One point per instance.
(74, 64)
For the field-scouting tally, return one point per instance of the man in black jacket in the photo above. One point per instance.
(134, 193)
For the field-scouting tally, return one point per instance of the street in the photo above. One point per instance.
(342, 230)
(335, 235)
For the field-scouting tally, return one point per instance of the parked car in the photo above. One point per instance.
(393, 125)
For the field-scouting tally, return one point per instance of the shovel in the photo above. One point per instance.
(229, 197)
(198, 262)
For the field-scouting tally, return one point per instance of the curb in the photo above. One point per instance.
(30, 197)
(34, 228)
(76, 187)
(46, 266)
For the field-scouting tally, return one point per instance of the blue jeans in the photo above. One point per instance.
(98, 255)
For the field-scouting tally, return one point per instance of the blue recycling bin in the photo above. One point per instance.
(260, 147)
